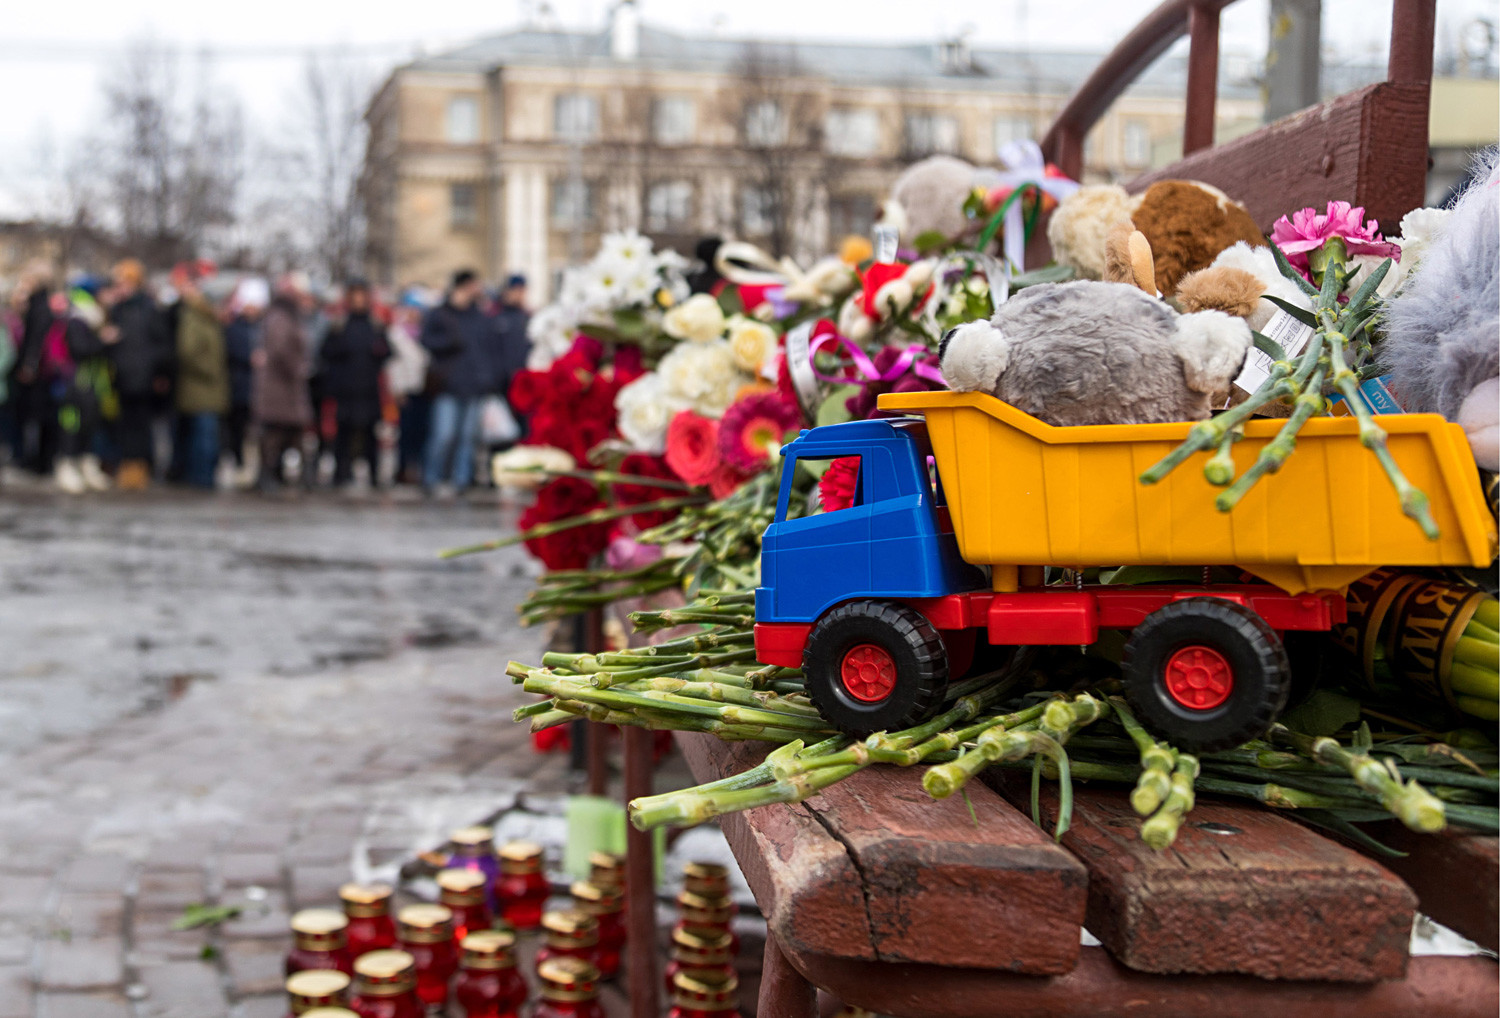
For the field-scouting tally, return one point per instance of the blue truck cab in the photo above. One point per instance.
(894, 542)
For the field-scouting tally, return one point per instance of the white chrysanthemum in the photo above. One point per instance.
(645, 409)
(752, 343)
(699, 318)
(551, 331)
(524, 466)
(702, 375)
(640, 286)
(604, 286)
(627, 249)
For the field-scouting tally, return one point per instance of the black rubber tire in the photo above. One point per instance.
(905, 634)
(1262, 674)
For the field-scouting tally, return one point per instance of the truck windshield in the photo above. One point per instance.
(838, 484)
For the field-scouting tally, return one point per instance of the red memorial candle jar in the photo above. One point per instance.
(319, 942)
(706, 879)
(570, 989)
(368, 908)
(699, 948)
(521, 888)
(607, 907)
(569, 933)
(314, 988)
(465, 893)
(330, 1012)
(426, 933)
(385, 986)
(696, 910)
(607, 869)
(488, 985)
(705, 993)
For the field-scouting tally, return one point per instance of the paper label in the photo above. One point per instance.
(1377, 396)
(799, 367)
(1284, 329)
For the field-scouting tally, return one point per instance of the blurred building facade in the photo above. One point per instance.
(516, 151)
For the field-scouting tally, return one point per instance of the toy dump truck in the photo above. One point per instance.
(881, 603)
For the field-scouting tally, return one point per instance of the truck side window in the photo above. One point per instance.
(842, 484)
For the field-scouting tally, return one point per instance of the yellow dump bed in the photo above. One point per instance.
(1022, 493)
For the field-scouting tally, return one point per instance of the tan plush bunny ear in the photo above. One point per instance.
(1142, 266)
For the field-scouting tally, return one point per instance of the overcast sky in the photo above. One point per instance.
(51, 58)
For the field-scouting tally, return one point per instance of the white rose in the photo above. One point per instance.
(526, 466)
(893, 297)
(702, 375)
(699, 318)
(645, 409)
(853, 322)
(752, 343)
(919, 274)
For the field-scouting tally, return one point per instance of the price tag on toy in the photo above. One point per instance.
(1292, 336)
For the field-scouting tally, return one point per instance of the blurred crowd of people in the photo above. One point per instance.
(212, 379)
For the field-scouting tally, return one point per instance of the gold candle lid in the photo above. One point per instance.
(385, 973)
(319, 929)
(366, 901)
(425, 924)
(520, 857)
(570, 927)
(489, 949)
(702, 938)
(708, 879)
(316, 986)
(475, 840)
(705, 989)
(568, 979)
(698, 908)
(329, 1012)
(461, 887)
(596, 900)
(606, 869)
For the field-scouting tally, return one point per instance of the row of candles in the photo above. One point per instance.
(359, 961)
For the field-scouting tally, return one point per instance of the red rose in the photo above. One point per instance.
(526, 391)
(640, 464)
(563, 499)
(693, 447)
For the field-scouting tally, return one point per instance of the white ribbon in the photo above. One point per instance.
(1024, 166)
(744, 264)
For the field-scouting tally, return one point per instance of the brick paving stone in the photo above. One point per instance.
(256, 966)
(237, 869)
(152, 938)
(318, 886)
(264, 836)
(96, 871)
(84, 1005)
(273, 1006)
(93, 963)
(15, 946)
(89, 914)
(183, 989)
(268, 918)
(185, 855)
(24, 895)
(159, 889)
(15, 992)
(320, 848)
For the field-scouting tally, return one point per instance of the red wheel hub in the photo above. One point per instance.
(1199, 678)
(868, 673)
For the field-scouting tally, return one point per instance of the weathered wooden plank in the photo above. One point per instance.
(1368, 147)
(1099, 987)
(1456, 876)
(874, 868)
(1267, 897)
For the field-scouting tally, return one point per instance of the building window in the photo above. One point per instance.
(673, 121)
(463, 206)
(573, 202)
(1137, 143)
(757, 211)
(852, 132)
(463, 120)
(1010, 127)
(851, 214)
(575, 117)
(765, 126)
(669, 205)
(931, 133)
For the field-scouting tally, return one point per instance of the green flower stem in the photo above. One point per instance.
(581, 520)
(1413, 805)
(531, 710)
(691, 806)
(1157, 762)
(1160, 829)
(1219, 470)
(551, 719)
(541, 682)
(1414, 502)
(1208, 434)
(1275, 452)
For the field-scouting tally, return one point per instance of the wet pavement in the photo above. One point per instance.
(224, 699)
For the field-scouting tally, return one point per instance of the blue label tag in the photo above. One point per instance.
(1377, 396)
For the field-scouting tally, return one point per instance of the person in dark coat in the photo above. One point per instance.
(509, 344)
(457, 334)
(353, 355)
(34, 437)
(142, 353)
(241, 340)
(282, 406)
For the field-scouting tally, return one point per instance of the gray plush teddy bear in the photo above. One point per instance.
(1097, 353)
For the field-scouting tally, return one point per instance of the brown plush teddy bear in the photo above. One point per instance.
(1186, 223)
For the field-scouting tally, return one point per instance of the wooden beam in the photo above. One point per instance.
(1456, 875)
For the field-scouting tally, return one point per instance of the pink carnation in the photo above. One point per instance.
(753, 428)
(1308, 230)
